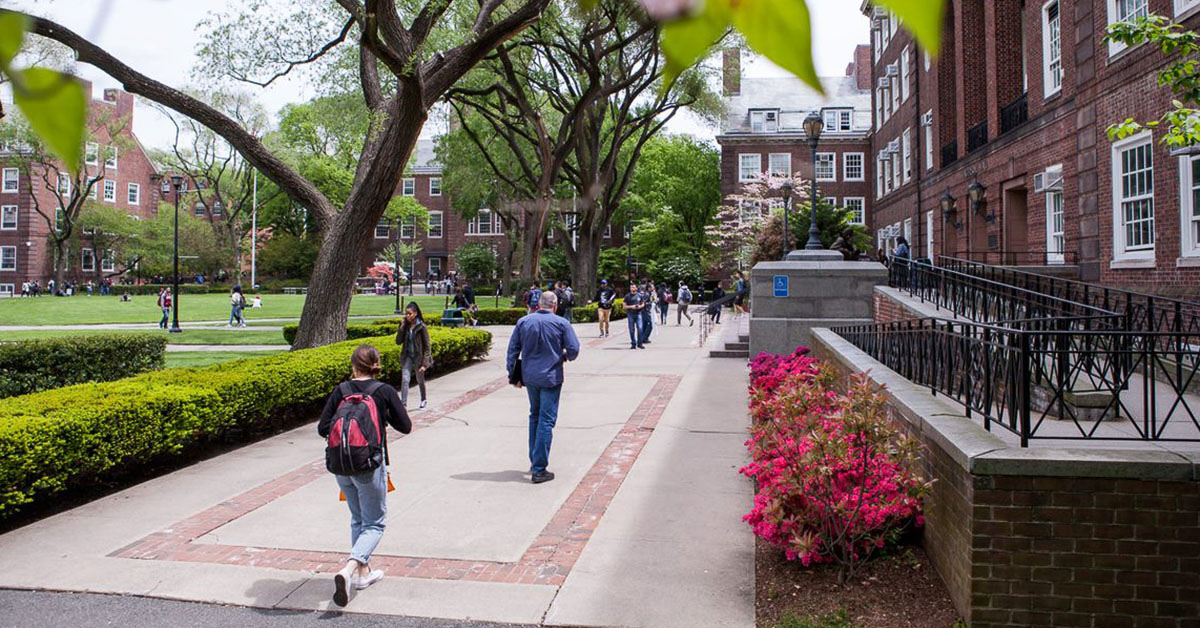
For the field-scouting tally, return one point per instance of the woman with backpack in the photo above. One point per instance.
(664, 303)
(237, 302)
(355, 425)
(416, 356)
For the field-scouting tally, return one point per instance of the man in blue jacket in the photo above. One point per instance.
(543, 342)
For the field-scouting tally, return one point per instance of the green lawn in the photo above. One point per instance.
(190, 336)
(83, 310)
(204, 358)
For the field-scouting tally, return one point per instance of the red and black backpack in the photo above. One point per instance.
(355, 444)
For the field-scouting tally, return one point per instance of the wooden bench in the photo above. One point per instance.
(453, 318)
(303, 290)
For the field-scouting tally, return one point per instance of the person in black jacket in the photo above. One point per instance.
(366, 493)
(415, 351)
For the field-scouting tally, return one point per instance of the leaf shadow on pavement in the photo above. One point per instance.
(269, 592)
(493, 476)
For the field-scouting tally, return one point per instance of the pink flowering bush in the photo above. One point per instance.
(836, 483)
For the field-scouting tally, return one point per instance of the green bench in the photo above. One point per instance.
(453, 318)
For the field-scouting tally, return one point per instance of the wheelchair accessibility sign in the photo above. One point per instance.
(781, 285)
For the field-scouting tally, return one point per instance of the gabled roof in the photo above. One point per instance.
(794, 100)
(424, 159)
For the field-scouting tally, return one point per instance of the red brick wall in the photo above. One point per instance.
(802, 163)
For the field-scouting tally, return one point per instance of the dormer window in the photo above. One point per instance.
(764, 120)
(838, 120)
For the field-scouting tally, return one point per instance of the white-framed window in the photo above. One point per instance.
(435, 186)
(895, 98)
(879, 180)
(435, 224)
(929, 237)
(58, 218)
(1183, 6)
(12, 178)
(1055, 233)
(87, 260)
(435, 267)
(8, 217)
(110, 191)
(856, 204)
(1189, 195)
(408, 228)
(748, 211)
(908, 233)
(95, 194)
(484, 223)
(779, 164)
(7, 289)
(764, 120)
(839, 120)
(110, 158)
(1052, 74)
(198, 208)
(408, 187)
(134, 194)
(877, 33)
(896, 174)
(929, 142)
(1133, 197)
(852, 167)
(905, 61)
(1124, 11)
(382, 229)
(64, 184)
(608, 231)
(749, 166)
(880, 108)
(826, 166)
(906, 152)
(888, 167)
(928, 59)
(91, 154)
(218, 208)
(8, 258)
(108, 262)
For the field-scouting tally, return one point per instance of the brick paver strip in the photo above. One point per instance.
(547, 561)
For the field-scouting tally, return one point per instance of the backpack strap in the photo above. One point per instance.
(371, 388)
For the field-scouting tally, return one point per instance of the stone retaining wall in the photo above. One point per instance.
(1075, 535)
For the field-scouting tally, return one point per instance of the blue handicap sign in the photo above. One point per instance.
(781, 285)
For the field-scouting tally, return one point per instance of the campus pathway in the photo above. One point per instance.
(641, 527)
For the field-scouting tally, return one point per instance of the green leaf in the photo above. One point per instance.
(12, 33)
(56, 108)
(922, 18)
(781, 31)
(686, 40)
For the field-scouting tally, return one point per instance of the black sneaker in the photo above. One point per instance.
(641, 346)
(340, 595)
(544, 476)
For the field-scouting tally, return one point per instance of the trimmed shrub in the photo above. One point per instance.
(79, 435)
(500, 315)
(587, 313)
(836, 482)
(35, 365)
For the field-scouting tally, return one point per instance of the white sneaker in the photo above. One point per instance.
(423, 404)
(375, 576)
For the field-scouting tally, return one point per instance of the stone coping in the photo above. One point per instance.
(982, 453)
(870, 268)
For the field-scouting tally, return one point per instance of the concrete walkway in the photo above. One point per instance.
(641, 527)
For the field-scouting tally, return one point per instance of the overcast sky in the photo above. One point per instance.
(159, 38)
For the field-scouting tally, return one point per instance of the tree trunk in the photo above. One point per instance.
(536, 219)
(583, 261)
(62, 257)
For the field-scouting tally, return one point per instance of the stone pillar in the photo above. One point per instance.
(822, 291)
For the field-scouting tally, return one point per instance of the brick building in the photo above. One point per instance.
(763, 133)
(123, 175)
(1019, 102)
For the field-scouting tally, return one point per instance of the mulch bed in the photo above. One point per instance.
(899, 591)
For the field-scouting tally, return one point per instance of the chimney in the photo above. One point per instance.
(862, 66)
(123, 101)
(731, 71)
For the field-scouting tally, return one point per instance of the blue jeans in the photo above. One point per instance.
(166, 317)
(543, 414)
(235, 315)
(366, 496)
(647, 326)
(635, 326)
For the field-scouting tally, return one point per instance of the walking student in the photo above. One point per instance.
(415, 352)
(164, 303)
(683, 300)
(237, 303)
(359, 460)
(739, 294)
(647, 313)
(634, 303)
(664, 303)
(605, 297)
(541, 342)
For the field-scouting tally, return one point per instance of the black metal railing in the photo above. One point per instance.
(1014, 114)
(1090, 384)
(977, 136)
(950, 153)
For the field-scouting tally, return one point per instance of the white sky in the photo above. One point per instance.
(159, 38)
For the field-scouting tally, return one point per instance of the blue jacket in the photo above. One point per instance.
(543, 341)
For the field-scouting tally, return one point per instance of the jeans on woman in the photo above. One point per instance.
(235, 315)
(663, 308)
(407, 372)
(166, 317)
(366, 497)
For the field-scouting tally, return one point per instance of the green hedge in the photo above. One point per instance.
(587, 313)
(76, 436)
(36, 365)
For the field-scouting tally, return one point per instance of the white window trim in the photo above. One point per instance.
(862, 167)
(109, 184)
(906, 151)
(14, 258)
(64, 184)
(862, 206)
(1048, 89)
(387, 230)
(441, 225)
(438, 192)
(107, 264)
(92, 150)
(1187, 7)
(13, 175)
(16, 214)
(929, 232)
(7, 290)
(408, 186)
(787, 170)
(133, 194)
(905, 60)
(429, 264)
(1189, 249)
(1120, 254)
(929, 143)
(1114, 47)
(742, 177)
(111, 161)
(833, 167)
(85, 255)
(408, 229)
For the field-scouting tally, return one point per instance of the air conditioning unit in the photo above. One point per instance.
(892, 70)
(883, 157)
(927, 118)
(884, 82)
(1048, 181)
(893, 147)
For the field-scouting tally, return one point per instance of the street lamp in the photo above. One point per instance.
(813, 124)
(396, 270)
(177, 182)
(787, 203)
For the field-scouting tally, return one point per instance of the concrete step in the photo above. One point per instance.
(727, 353)
(737, 346)
(744, 337)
